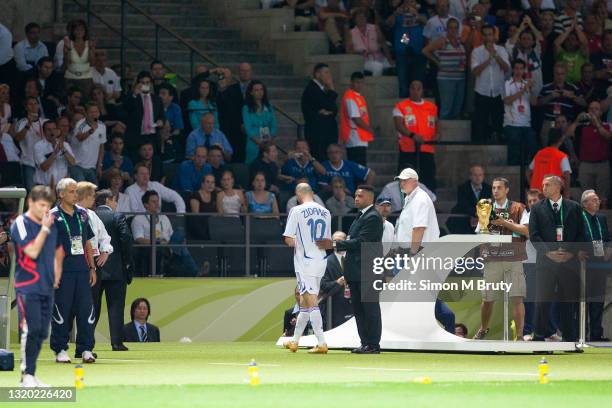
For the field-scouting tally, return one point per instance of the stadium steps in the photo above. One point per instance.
(193, 21)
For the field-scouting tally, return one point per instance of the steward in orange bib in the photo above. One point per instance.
(416, 121)
(355, 130)
(550, 161)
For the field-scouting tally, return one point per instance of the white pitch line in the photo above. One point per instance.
(120, 360)
(439, 371)
(244, 364)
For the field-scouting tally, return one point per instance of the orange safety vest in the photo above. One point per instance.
(546, 161)
(345, 119)
(419, 118)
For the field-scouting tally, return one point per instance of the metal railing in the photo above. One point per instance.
(159, 29)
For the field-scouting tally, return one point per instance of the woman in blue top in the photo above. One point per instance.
(258, 117)
(259, 200)
(204, 104)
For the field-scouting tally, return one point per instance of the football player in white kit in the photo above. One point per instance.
(307, 223)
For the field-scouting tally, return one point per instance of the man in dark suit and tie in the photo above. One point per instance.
(319, 109)
(334, 286)
(139, 330)
(366, 228)
(468, 194)
(116, 273)
(230, 102)
(554, 224)
(144, 115)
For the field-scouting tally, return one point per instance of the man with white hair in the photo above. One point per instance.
(73, 296)
(596, 232)
(307, 223)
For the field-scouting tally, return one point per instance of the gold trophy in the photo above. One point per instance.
(483, 211)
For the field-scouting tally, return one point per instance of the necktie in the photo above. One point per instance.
(342, 263)
(143, 335)
(556, 211)
(207, 141)
(147, 120)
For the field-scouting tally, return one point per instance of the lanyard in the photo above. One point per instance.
(161, 224)
(561, 213)
(68, 226)
(588, 223)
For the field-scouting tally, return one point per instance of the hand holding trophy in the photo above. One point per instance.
(483, 212)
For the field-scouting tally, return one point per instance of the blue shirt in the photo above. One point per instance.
(407, 24)
(294, 169)
(79, 226)
(26, 55)
(126, 164)
(197, 138)
(174, 116)
(33, 275)
(197, 109)
(348, 170)
(187, 178)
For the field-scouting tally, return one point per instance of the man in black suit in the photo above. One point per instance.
(367, 228)
(319, 109)
(230, 102)
(143, 104)
(555, 225)
(52, 82)
(139, 330)
(116, 273)
(468, 194)
(599, 253)
(334, 286)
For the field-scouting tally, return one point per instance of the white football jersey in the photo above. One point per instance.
(308, 223)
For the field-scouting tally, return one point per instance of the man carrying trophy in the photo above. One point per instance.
(503, 262)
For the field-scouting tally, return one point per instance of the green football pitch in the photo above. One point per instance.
(215, 375)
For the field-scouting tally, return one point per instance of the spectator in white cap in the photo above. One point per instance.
(417, 222)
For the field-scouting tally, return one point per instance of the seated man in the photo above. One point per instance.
(340, 203)
(115, 158)
(300, 164)
(147, 157)
(468, 195)
(139, 330)
(350, 171)
(207, 135)
(190, 173)
(176, 261)
(215, 161)
(143, 184)
(335, 287)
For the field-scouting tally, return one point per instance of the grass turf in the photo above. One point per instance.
(215, 375)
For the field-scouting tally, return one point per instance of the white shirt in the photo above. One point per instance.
(135, 193)
(418, 212)
(388, 236)
(546, 5)
(459, 8)
(531, 251)
(101, 241)
(436, 27)
(10, 149)
(33, 135)
(58, 57)
(87, 150)
(490, 82)
(306, 224)
(141, 227)
(6, 45)
(26, 55)
(59, 167)
(353, 112)
(518, 113)
(109, 80)
(123, 203)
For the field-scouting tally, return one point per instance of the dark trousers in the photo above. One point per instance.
(426, 167)
(521, 143)
(487, 118)
(358, 155)
(320, 142)
(530, 306)
(114, 291)
(367, 314)
(73, 299)
(34, 313)
(409, 68)
(445, 316)
(557, 282)
(10, 75)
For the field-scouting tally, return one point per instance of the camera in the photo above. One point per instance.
(584, 119)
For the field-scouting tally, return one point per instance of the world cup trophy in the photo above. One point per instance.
(483, 211)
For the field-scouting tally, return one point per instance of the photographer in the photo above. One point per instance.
(52, 155)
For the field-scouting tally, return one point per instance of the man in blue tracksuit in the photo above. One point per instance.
(73, 296)
(37, 272)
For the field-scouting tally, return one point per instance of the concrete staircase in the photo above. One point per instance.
(191, 20)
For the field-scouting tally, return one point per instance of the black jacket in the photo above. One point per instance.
(119, 265)
(367, 228)
(316, 125)
(230, 102)
(130, 335)
(542, 226)
(466, 200)
(342, 309)
(134, 112)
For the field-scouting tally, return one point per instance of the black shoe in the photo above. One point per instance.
(358, 350)
(119, 347)
(368, 350)
(80, 355)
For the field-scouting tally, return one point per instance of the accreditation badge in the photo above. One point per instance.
(76, 245)
(431, 121)
(559, 234)
(410, 120)
(521, 108)
(598, 248)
